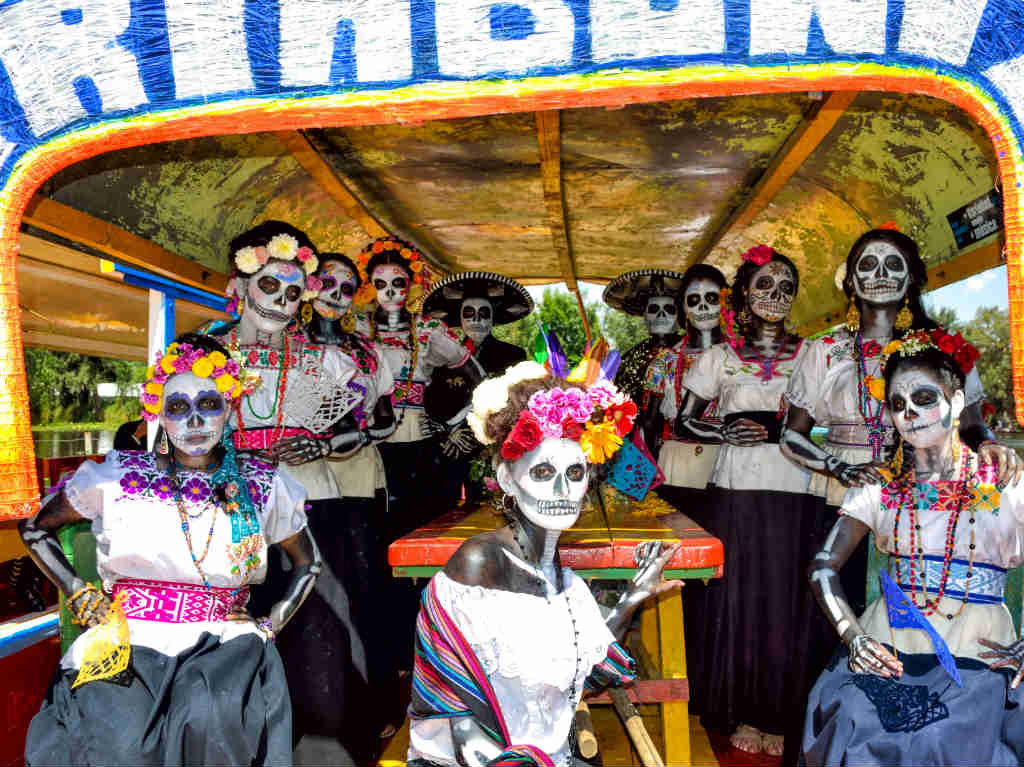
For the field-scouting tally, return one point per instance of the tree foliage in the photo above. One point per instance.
(62, 386)
(990, 332)
(560, 312)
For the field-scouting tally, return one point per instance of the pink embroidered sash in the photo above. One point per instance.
(169, 602)
(264, 439)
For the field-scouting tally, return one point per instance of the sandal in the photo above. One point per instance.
(772, 744)
(747, 739)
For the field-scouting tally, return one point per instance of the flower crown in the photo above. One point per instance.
(367, 293)
(281, 247)
(954, 345)
(597, 417)
(226, 371)
(759, 254)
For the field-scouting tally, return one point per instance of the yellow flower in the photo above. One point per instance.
(283, 247)
(150, 372)
(218, 359)
(876, 386)
(202, 367)
(167, 363)
(152, 408)
(892, 347)
(237, 391)
(310, 265)
(154, 388)
(226, 382)
(599, 441)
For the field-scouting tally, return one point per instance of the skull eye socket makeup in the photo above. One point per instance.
(210, 404)
(347, 289)
(576, 473)
(468, 312)
(399, 283)
(693, 300)
(177, 405)
(292, 293)
(867, 263)
(894, 263)
(380, 284)
(787, 287)
(327, 281)
(269, 285)
(711, 298)
(542, 472)
(925, 397)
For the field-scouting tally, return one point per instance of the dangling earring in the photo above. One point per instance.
(904, 319)
(307, 313)
(347, 323)
(956, 443)
(744, 318)
(162, 446)
(852, 316)
(896, 462)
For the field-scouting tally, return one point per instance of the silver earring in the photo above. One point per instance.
(162, 446)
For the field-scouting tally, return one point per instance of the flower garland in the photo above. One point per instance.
(281, 247)
(955, 345)
(727, 319)
(367, 293)
(225, 371)
(598, 417)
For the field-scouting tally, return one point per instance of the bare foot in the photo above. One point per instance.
(746, 738)
(772, 744)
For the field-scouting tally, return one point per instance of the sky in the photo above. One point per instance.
(965, 297)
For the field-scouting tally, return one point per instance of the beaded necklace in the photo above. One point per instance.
(909, 500)
(865, 401)
(186, 527)
(282, 384)
(414, 357)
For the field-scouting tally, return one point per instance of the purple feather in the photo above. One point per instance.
(610, 365)
(556, 357)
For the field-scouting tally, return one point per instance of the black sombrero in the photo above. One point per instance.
(509, 299)
(629, 292)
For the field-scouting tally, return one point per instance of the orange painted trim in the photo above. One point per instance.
(17, 465)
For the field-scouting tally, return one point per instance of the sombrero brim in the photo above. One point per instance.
(509, 299)
(629, 292)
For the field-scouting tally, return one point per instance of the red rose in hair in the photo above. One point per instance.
(965, 357)
(946, 343)
(572, 429)
(510, 450)
(622, 414)
(526, 435)
(759, 254)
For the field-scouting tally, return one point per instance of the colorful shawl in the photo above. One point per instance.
(448, 681)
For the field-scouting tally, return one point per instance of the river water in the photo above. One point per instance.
(60, 444)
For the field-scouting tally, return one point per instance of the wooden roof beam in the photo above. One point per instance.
(317, 167)
(787, 161)
(120, 244)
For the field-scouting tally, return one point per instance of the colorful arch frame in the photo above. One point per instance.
(438, 100)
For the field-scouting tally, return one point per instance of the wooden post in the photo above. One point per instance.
(675, 717)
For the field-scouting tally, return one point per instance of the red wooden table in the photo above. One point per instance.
(596, 550)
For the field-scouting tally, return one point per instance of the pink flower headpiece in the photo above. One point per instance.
(759, 254)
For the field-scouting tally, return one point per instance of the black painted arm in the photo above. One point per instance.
(796, 444)
(301, 548)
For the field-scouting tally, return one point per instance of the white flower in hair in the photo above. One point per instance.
(283, 247)
(490, 396)
(476, 423)
(523, 371)
(840, 276)
(247, 261)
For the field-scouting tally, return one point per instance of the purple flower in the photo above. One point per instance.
(162, 487)
(135, 459)
(196, 489)
(256, 493)
(134, 482)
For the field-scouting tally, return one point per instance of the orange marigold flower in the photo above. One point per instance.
(378, 247)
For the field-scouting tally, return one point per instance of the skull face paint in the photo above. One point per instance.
(661, 315)
(392, 284)
(548, 483)
(920, 409)
(771, 292)
(880, 275)
(702, 305)
(340, 285)
(193, 413)
(272, 296)
(477, 317)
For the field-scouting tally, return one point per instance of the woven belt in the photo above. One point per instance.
(985, 586)
(854, 435)
(264, 439)
(169, 602)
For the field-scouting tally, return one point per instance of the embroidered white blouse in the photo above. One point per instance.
(998, 539)
(739, 386)
(826, 385)
(139, 535)
(438, 347)
(525, 643)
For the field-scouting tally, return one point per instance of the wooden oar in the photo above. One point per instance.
(642, 742)
(586, 740)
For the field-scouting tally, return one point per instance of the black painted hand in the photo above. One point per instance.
(300, 449)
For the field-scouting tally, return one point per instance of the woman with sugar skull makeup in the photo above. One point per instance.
(355, 545)
(176, 671)
(951, 533)
(309, 406)
(507, 638)
(746, 653)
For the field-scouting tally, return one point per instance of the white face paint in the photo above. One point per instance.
(880, 275)
(920, 410)
(392, 284)
(193, 413)
(272, 296)
(662, 315)
(548, 482)
(771, 292)
(477, 317)
(340, 285)
(701, 302)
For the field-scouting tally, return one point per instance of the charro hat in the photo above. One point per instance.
(509, 299)
(629, 292)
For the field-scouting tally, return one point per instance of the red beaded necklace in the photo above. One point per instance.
(908, 500)
(282, 382)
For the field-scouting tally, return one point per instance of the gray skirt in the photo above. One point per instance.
(922, 718)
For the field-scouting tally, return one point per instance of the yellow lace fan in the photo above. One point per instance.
(109, 648)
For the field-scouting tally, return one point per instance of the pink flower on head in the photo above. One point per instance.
(149, 416)
(603, 393)
(314, 283)
(150, 399)
(759, 254)
(261, 254)
(182, 364)
(160, 377)
(579, 405)
(304, 254)
(233, 367)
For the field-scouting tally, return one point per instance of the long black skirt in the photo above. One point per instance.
(921, 718)
(758, 631)
(215, 703)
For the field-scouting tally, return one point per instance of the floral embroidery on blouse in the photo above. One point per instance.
(942, 497)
